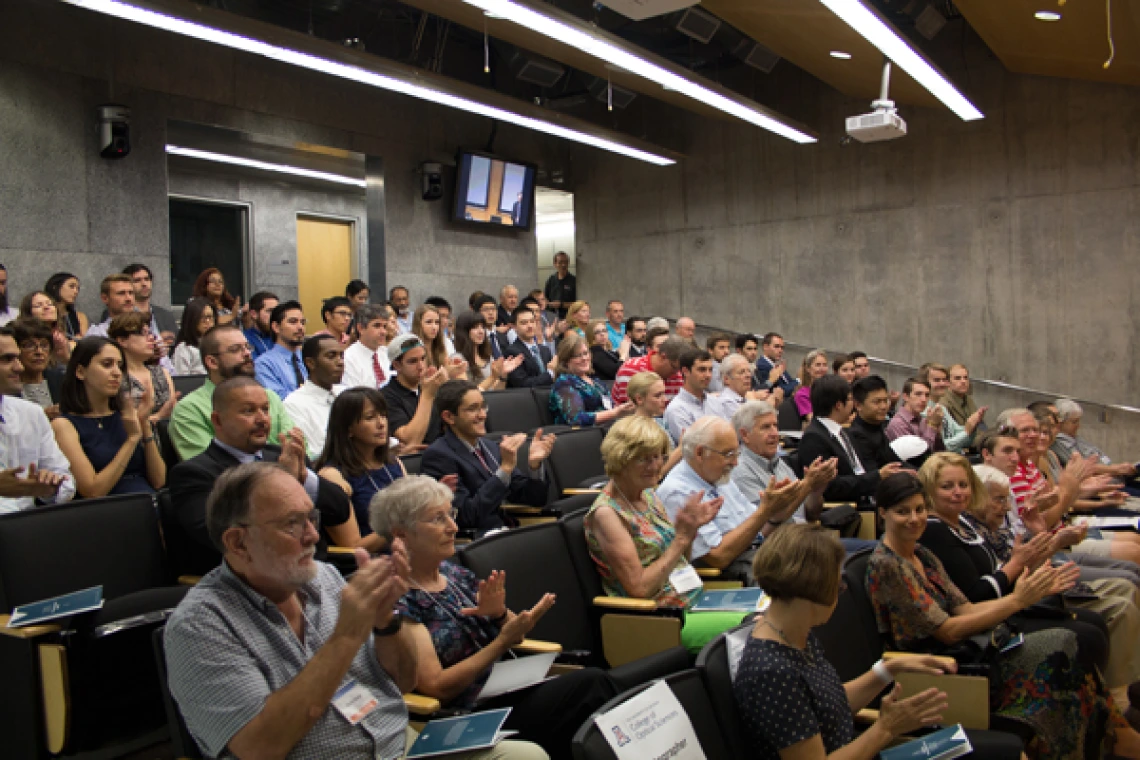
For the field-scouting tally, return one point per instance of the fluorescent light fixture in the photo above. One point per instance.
(841, 55)
(250, 163)
(860, 18)
(123, 10)
(1047, 16)
(598, 47)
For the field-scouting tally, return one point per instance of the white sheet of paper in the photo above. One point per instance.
(651, 725)
(512, 675)
(685, 579)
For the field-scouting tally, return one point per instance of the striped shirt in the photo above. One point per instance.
(228, 648)
(641, 364)
(1024, 482)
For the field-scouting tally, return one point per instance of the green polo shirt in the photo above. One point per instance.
(191, 429)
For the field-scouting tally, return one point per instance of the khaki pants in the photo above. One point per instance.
(505, 750)
(1117, 605)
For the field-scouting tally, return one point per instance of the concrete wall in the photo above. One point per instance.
(63, 207)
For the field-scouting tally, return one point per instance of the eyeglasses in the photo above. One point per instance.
(441, 519)
(342, 313)
(235, 350)
(730, 454)
(42, 348)
(475, 409)
(215, 281)
(294, 525)
(646, 461)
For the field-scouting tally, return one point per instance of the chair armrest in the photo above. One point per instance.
(888, 656)
(536, 646)
(189, 580)
(709, 572)
(624, 603)
(579, 491)
(834, 504)
(522, 509)
(28, 631)
(418, 704)
(866, 716)
(344, 551)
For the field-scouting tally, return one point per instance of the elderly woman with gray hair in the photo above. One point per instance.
(1067, 443)
(461, 625)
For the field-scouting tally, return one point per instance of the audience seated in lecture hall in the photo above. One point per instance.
(665, 360)
(145, 377)
(337, 313)
(366, 360)
(814, 367)
(578, 318)
(605, 360)
(211, 285)
(40, 382)
(473, 344)
(718, 345)
(537, 367)
(401, 300)
(38, 306)
(280, 369)
(63, 287)
(577, 398)
(197, 319)
(693, 400)
(410, 395)
(309, 406)
(356, 291)
(258, 332)
(772, 370)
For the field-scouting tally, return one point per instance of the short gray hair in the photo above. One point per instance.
(1067, 409)
(657, 322)
(1004, 418)
(989, 474)
(729, 364)
(672, 349)
(745, 417)
(370, 312)
(700, 433)
(401, 504)
(231, 498)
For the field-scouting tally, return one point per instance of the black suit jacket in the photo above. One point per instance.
(480, 494)
(871, 444)
(529, 374)
(847, 486)
(190, 483)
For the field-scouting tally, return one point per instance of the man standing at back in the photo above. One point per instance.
(561, 287)
(225, 354)
(281, 369)
(665, 361)
(400, 301)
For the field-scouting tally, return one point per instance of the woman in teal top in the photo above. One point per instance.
(576, 398)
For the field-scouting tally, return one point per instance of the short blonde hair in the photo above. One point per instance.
(800, 561)
(401, 504)
(631, 438)
(932, 468)
(574, 309)
(639, 385)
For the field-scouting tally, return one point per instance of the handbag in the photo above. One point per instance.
(844, 518)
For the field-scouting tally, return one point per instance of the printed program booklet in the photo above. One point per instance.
(941, 745)
(732, 600)
(462, 733)
(57, 607)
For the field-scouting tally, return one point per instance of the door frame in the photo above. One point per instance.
(247, 242)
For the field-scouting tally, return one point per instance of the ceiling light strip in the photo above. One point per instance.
(864, 21)
(169, 23)
(223, 158)
(594, 45)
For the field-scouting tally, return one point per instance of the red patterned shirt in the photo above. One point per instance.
(641, 364)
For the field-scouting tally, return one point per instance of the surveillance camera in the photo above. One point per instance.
(114, 130)
(432, 181)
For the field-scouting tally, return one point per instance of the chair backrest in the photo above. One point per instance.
(512, 411)
(851, 637)
(178, 553)
(573, 527)
(185, 384)
(166, 444)
(182, 742)
(537, 562)
(542, 401)
(574, 503)
(787, 416)
(590, 744)
(413, 463)
(113, 541)
(712, 664)
(577, 458)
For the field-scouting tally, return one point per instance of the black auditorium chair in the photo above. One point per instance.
(576, 461)
(542, 401)
(537, 561)
(591, 744)
(412, 463)
(511, 411)
(713, 665)
(788, 417)
(179, 552)
(85, 682)
(188, 383)
(166, 443)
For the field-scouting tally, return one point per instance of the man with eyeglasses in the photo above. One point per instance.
(771, 367)
(488, 472)
(225, 354)
(336, 313)
(709, 453)
(241, 423)
(32, 467)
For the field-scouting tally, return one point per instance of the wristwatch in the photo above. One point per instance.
(392, 628)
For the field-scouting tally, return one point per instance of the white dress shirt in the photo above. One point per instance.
(358, 366)
(26, 438)
(309, 408)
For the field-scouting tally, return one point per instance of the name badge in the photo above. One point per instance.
(607, 403)
(353, 701)
(685, 579)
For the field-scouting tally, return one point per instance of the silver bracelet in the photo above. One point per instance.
(882, 672)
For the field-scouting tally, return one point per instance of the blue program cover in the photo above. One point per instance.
(461, 734)
(940, 745)
(60, 606)
(731, 600)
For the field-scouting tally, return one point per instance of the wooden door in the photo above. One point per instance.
(324, 265)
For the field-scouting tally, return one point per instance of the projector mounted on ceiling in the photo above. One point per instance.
(883, 123)
(639, 10)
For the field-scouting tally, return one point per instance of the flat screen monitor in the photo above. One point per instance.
(490, 190)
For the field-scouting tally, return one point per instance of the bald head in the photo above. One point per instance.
(241, 416)
(225, 391)
(686, 328)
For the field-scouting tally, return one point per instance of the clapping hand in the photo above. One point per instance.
(491, 598)
(696, 513)
(456, 368)
(39, 484)
(293, 454)
(779, 500)
(367, 599)
(902, 716)
(451, 481)
(540, 449)
(509, 451)
(516, 629)
(820, 472)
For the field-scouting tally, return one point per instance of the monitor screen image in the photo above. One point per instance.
(490, 190)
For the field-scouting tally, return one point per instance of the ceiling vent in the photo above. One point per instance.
(535, 70)
(698, 24)
(639, 10)
(621, 96)
(756, 55)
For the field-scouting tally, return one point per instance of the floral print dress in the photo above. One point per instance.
(1039, 683)
(576, 400)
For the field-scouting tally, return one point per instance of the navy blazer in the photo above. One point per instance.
(190, 483)
(529, 374)
(847, 486)
(480, 494)
(764, 367)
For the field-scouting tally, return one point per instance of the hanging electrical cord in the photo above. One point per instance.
(486, 49)
(1111, 44)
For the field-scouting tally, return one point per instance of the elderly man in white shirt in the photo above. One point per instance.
(710, 452)
(366, 361)
(31, 464)
(309, 406)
